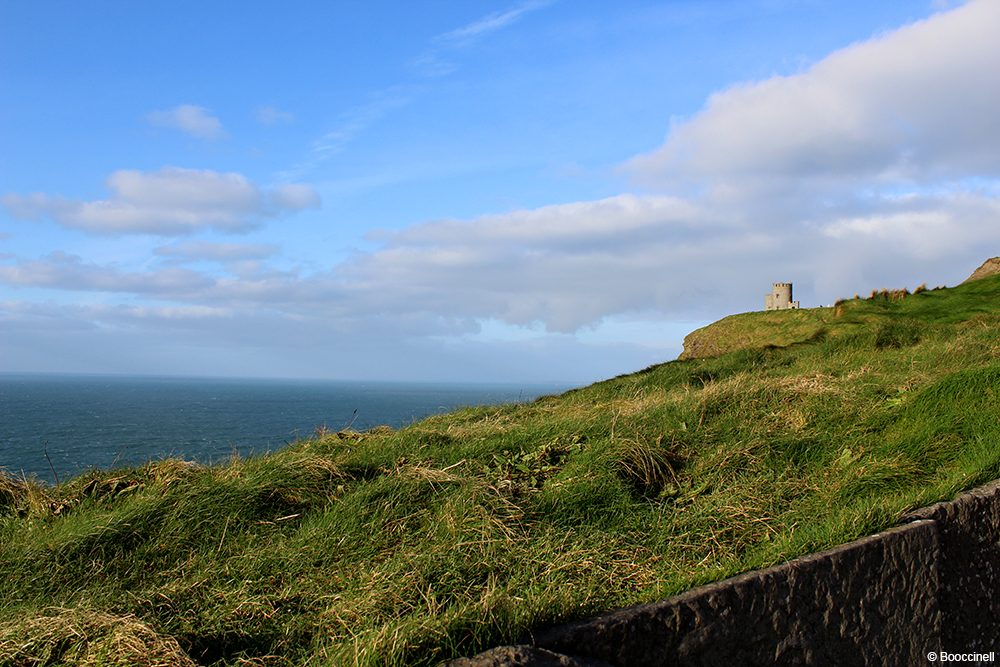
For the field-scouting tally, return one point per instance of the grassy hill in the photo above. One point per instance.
(808, 429)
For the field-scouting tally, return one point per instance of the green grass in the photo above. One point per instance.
(469, 529)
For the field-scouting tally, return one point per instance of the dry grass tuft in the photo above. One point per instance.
(87, 638)
(319, 468)
(430, 475)
(889, 294)
(641, 400)
(170, 471)
(22, 496)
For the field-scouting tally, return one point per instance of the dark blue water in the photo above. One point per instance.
(107, 421)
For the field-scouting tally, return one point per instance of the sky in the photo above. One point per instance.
(478, 191)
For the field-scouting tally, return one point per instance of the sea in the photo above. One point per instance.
(53, 427)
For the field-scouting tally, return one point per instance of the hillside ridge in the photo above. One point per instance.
(787, 327)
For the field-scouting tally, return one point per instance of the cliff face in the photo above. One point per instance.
(990, 267)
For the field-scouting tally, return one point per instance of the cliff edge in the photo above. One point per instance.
(990, 267)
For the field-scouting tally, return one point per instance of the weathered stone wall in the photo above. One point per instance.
(931, 584)
(969, 569)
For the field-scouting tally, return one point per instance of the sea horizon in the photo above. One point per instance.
(290, 378)
(58, 425)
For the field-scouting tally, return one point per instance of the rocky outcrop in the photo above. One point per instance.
(990, 267)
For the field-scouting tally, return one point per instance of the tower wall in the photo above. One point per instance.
(782, 294)
(780, 297)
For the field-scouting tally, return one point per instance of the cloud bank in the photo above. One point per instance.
(917, 104)
(167, 202)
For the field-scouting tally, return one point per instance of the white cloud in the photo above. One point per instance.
(588, 223)
(190, 119)
(565, 266)
(490, 23)
(915, 104)
(167, 202)
(195, 189)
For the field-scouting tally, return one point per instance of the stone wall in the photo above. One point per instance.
(930, 584)
(969, 569)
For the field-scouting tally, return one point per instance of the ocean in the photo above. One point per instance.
(56, 426)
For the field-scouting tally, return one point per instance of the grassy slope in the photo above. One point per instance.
(467, 529)
(759, 329)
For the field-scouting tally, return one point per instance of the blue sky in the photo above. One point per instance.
(496, 191)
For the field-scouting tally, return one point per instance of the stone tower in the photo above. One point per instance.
(780, 297)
